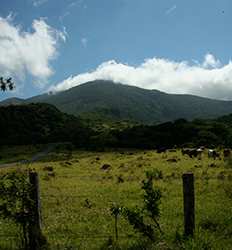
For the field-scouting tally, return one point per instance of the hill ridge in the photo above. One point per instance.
(106, 100)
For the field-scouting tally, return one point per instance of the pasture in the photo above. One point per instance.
(78, 188)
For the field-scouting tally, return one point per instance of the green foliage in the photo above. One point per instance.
(15, 202)
(139, 218)
(115, 211)
(210, 133)
(154, 174)
(98, 100)
(16, 205)
(40, 123)
(43, 123)
(152, 199)
(136, 219)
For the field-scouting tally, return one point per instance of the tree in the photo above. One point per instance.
(6, 84)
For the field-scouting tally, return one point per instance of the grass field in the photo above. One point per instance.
(77, 195)
(18, 153)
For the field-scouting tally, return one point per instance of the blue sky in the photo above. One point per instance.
(119, 35)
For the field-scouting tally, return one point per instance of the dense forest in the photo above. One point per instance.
(210, 133)
(39, 123)
(43, 123)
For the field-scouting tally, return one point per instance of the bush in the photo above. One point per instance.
(17, 205)
(144, 220)
(154, 174)
(15, 202)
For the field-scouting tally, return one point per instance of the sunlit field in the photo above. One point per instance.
(78, 188)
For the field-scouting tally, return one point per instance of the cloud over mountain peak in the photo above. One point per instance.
(209, 78)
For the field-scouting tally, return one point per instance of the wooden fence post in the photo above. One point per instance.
(34, 232)
(189, 204)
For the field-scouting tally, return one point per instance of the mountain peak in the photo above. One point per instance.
(101, 99)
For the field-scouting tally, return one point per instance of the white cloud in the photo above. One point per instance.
(211, 62)
(28, 52)
(170, 10)
(209, 79)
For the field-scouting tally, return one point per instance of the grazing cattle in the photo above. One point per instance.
(199, 152)
(192, 152)
(226, 152)
(213, 154)
(185, 151)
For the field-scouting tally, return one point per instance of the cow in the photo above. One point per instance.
(213, 154)
(192, 152)
(199, 152)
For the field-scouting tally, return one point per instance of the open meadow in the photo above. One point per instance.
(78, 188)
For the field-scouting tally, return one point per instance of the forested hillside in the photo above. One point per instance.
(108, 101)
(42, 123)
(37, 123)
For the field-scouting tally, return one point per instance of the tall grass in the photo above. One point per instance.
(69, 222)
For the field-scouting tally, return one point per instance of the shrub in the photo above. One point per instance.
(16, 204)
(154, 174)
(144, 220)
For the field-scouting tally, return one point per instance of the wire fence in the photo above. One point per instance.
(71, 216)
(45, 198)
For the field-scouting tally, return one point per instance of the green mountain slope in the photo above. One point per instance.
(107, 100)
(36, 123)
(12, 101)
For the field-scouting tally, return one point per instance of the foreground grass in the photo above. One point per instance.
(77, 195)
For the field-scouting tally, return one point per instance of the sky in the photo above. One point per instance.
(175, 46)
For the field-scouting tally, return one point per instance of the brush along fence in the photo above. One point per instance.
(31, 218)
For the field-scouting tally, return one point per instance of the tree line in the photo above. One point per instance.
(43, 123)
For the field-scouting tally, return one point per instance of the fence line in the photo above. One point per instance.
(80, 236)
(189, 222)
(84, 196)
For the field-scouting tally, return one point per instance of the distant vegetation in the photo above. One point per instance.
(43, 123)
(107, 101)
(39, 123)
(211, 133)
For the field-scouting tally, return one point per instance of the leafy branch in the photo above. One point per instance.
(15, 202)
(6, 84)
(152, 199)
(139, 218)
